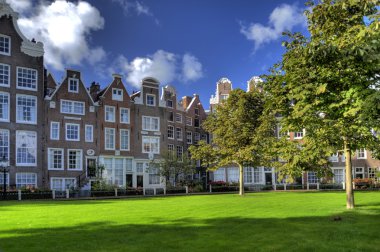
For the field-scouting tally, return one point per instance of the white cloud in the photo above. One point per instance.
(162, 65)
(64, 28)
(20, 6)
(282, 18)
(128, 6)
(191, 68)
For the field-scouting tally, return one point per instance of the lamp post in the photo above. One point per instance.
(4, 165)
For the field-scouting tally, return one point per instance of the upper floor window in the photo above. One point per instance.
(54, 130)
(178, 132)
(169, 103)
(4, 143)
(109, 138)
(110, 113)
(299, 134)
(89, 133)
(150, 100)
(72, 132)
(5, 45)
(74, 159)
(196, 111)
(72, 107)
(189, 121)
(73, 85)
(55, 159)
(4, 107)
(124, 139)
(26, 78)
(178, 118)
(124, 115)
(189, 137)
(150, 123)
(361, 154)
(171, 116)
(170, 132)
(196, 122)
(224, 97)
(151, 144)
(26, 109)
(197, 137)
(4, 75)
(180, 153)
(117, 94)
(26, 148)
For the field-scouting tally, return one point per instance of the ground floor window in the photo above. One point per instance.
(115, 170)
(312, 178)
(248, 175)
(258, 175)
(338, 175)
(2, 179)
(220, 175)
(154, 176)
(233, 174)
(61, 184)
(372, 172)
(26, 180)
(358, 172)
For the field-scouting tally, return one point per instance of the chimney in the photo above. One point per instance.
(186, 101)
(117, 76)
(94, 89)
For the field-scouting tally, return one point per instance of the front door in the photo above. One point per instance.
(129, 180)
(268, 178)
(140, 181)
(91, 167)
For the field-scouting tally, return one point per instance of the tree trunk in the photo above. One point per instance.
(241, 180)
(349, 192)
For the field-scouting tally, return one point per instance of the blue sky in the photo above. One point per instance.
(189, 44)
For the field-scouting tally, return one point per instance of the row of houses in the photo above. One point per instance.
(55, 135)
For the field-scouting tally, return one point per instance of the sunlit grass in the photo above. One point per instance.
(294, 221)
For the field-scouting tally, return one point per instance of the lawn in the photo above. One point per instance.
(272, 221)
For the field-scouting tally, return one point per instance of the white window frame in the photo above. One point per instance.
(34, 121)
(128, 113)
(72, 124)
(154, 100)
(189, 133)
(9, 47)
(72, 105)
(189, 121)
(361, 151)
(33, 147)
(113, 138)
(8, 110)
(76, 82)
(63, 181)
(9, 75)
(117, 97)
(86, 127)
(150, 143)
(129, 136)
(6, 179)
(28, 69)
(361, 172)
(50, 161)
(81, 160)
(178, 116)
(150, 128)
(334, 158)
(172, 129)
(107, 112)
(299, 137)
(6, 131)
(167, 103)
(23, 173)
(51, 130)
(179, 134)
(179, 152)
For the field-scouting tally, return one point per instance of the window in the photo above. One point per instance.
(224, 97)
(196, 111)
(170, 132)
(27, 180)
(298, 134)
(5, 45)
(334, 158)
(189, 121)
(114, 172)
(171, 116)
(74, 159)
(180, 153)
(196, 122)
(233, 174)
(110, 113)
(372, 172)
(109, 138)
(169, 103)
(361, 154)
(2, 180)
(26, 78)
(26, 109)
(72, 107)
(140, 167)
(171, 151)
(89, 133)
(197, 137)
(312, 178)
(189, 137)
(124, 115)
(4, 107)
(257, 175)
(150, 100)
(72, 132)
(4, 143)
(117, 94)
(178, 133)
(178, 118)
(54, 130)
(154, 176)
(73, 85)
(220, 174)
(55, 159)
(151, 144)
(338, 175)
(61, 184)
(4, 75)
(248, 175)
(26, 148)
(124, 139)
(359, 172)
(151, 123)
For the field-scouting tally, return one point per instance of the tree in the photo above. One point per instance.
(238, 129)
(328, 82)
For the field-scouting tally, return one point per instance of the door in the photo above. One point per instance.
(268, 178)
(91, 167)
(140, 181)
(129, 180)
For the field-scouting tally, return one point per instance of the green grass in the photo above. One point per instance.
(294, 221)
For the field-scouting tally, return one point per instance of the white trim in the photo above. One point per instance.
(129, 114)
(35, 148)
(77, 85)
(9, 144)
(63, 181)
(154, 100)
(72, 105)
(51, 130)
(150, 119)
(72, 124)
(150, 143)
(181, 131)
(50, 161)
(303, 134)
(191, 121)
(26, 88)
(180, 116)
(116, 98)
(9, 105)
(81, 159)
(10, 45)
(36, 110)
(365, 154)
(9, 75)
(129, 137)
(105, 138)
(191, 139)
(105, 113)
(21, 173)
(173, 132)
(92, 133)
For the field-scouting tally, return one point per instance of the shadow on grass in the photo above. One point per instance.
(354, 232)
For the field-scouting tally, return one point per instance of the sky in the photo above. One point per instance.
(188, 44)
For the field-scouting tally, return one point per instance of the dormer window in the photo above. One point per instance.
(169, 103)
(150, 100)
(73, 85)
(117, 94)
(5, 45)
